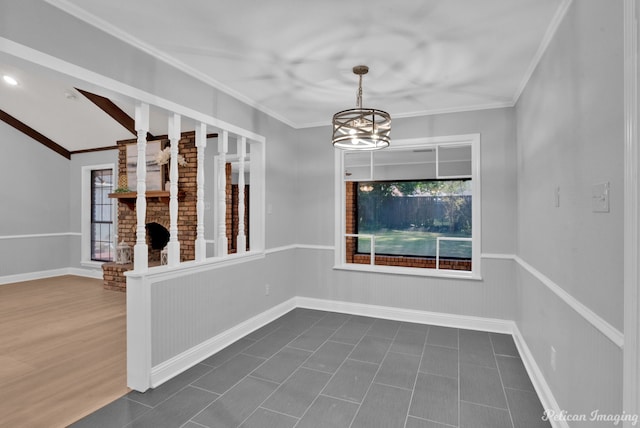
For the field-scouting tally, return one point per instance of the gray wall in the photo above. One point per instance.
(494, 297)
(570, 134)
(35, 201)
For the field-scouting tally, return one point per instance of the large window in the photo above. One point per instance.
(415, 206)
(101, 215)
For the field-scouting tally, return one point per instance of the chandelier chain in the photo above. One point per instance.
(359, 94)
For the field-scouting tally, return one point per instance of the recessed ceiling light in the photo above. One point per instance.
(9, 80)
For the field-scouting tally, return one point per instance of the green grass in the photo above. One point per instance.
(415, 243)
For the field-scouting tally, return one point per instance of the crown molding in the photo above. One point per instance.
(546, 40)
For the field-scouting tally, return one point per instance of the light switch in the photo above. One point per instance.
(600, 198)
(556, 196)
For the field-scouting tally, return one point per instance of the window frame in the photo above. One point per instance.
(92, 215)
(411, 144)
(85, 244)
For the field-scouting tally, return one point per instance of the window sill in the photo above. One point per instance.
(409, 271)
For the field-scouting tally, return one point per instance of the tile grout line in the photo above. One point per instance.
(292, 373)
(273, 411)
(287, 378)
(501, 381)
(396, 386)
(373, 380)
(485, 405)
(332, 374)
(248, 374)
(134, 401)
(178, 391)
(415, 380)
(234, 355)
(192, 422)
(436, 422)
(338, 368)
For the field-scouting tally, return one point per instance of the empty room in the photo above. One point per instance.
(415, 214)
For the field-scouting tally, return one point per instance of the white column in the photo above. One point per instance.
(201, 143)
(140, 250)
(241, 242)
(631, 349)
(173, 247)
(221, 239)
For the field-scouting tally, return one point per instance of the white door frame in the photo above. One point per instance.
(631, 350)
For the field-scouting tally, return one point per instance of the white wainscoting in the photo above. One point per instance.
(176, 365)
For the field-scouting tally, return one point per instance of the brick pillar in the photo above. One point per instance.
(350, 220)
(231, 238)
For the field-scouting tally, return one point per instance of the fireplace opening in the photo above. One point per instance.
(157, 239)
(158, 236)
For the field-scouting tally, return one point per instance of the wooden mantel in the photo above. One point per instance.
(129, 198)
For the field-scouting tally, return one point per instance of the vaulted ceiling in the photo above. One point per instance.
(293, 59)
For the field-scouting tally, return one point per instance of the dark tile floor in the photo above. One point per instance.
(323, 369)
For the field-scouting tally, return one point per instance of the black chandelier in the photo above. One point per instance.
(361, 128)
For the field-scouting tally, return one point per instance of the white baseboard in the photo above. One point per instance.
(87, 273)
(539, 383)
(30, 276)
(181, 362)
(492, 325)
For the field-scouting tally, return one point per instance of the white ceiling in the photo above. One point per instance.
(293, 58)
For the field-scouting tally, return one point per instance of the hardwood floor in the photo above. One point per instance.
(62, 350)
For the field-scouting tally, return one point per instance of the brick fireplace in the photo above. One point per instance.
(157, 217)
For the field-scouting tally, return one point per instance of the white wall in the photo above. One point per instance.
(570, 134)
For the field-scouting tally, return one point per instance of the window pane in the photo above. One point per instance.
(407, 217)
(454, 161)
(104, 196)
(101, 215)
(455, 249)
(416, 164)
(106, 213)
(404, 243)
(357, 165)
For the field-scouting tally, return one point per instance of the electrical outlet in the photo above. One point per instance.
(266, 289)
(553, 358)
